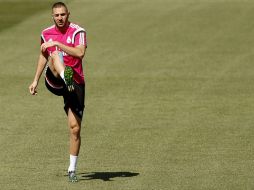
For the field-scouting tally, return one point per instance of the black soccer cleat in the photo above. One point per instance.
(72, 177)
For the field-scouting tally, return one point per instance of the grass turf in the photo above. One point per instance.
(168, 103)
(13, 12)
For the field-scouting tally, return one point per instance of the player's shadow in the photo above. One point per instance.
(106, 176)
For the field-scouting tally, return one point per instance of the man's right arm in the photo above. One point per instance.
(42, 60)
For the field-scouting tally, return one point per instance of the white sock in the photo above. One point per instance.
(62, 75)
(73, 163)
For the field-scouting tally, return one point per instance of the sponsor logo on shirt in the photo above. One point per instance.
(68, 40)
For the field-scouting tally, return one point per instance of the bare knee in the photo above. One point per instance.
(57, 61)
(56, 57)
(74, 130)
(55, 54)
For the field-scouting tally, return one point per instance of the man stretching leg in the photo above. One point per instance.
(63, 47)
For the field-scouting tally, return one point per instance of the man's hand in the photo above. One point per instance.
(45, 45)
(32, 88)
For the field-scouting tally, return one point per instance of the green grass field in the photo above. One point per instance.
(169, 102)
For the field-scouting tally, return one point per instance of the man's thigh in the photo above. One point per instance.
(73, 119)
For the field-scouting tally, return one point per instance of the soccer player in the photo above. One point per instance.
(63, 46)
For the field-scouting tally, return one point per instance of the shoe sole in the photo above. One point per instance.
(68, 76)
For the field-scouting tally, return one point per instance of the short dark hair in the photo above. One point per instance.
(58, 5)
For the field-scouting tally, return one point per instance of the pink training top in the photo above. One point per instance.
(74, 36)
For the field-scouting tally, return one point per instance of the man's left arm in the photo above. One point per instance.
(77, 51)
